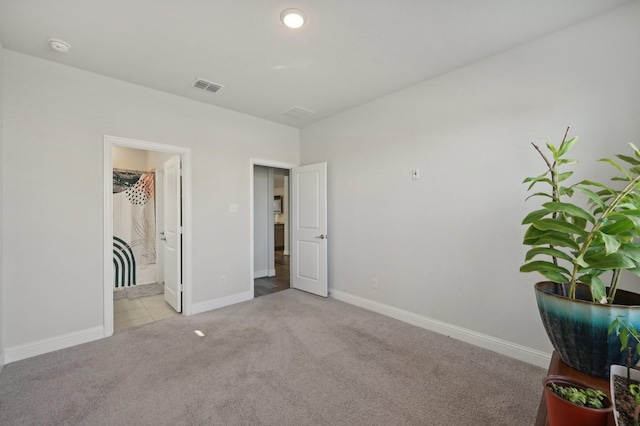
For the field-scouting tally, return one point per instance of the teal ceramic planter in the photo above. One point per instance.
(578, 328)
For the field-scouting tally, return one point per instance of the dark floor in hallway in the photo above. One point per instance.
(268, 285)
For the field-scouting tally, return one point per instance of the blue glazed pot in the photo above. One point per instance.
(578, 328)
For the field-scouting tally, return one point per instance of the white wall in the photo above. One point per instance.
(55, 119)
(2, 319)
(446, 248)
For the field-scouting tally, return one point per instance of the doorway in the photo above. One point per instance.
(271, 230)
(137, 289)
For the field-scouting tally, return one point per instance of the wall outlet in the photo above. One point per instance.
(374, 283)
(223, 279)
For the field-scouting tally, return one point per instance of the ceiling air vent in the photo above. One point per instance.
(297, 112)
(209, 86)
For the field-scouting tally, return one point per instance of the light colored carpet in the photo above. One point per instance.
(289, 358)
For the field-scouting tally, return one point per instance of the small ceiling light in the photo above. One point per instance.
(59, 45)
(293, 18)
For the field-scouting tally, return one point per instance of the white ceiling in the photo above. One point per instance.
(348, 53)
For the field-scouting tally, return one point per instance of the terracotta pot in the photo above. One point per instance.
(579, 329)
(561, 412)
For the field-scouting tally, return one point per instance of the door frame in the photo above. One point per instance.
(185, 155)
(266, 163)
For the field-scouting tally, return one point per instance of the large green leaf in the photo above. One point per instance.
(556, 239)
(535, 215)
(554, 276)
(531, 235)
(632, 251)
(547, 251)
(611, 261)
(570, 209)
(542, 266)
(558, 225)
(617, 227)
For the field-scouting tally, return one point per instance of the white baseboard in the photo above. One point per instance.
(260, 274)
(44, 346)
(198, 308)
(522, 353)
(272, 273)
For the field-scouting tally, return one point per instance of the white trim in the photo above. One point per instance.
(52, 344)
(210, 305)
(185, 153)
(267, 163)
(261, 274)
(522, 353)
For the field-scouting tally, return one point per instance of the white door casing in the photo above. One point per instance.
(172, 238)
(309, 270)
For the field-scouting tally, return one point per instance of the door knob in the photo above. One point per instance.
(321, 236)
(163, 238)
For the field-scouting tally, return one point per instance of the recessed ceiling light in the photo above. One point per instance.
(293, 18)
(59, 45)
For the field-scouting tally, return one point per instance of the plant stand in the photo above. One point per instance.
(557, 367)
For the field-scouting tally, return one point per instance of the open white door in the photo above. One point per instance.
(309, 229)
(172, 247)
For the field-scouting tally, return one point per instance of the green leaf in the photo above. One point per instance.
(563, 161)
(548, 251)
(593, 196)
(617, 166)
(629, 160)
(539, 180)
(580, 261)
(598, 289)
(611, 261)
(632, 251)
(553, 150)
(565, 146)
(617, 227)
(570, 209)
(531, 235)
(539, 194)
(611, 243)
(564, 176)
(554, 276)
(558, 225)
(579, 222)
(556, 239)
(535, 215)
(535, 178)
(541, 265)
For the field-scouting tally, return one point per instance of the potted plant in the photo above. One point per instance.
(570, 402)
(574, 246)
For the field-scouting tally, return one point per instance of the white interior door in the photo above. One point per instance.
(172, 237)
(309, 229)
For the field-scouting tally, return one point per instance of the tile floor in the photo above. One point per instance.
(131, 312)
